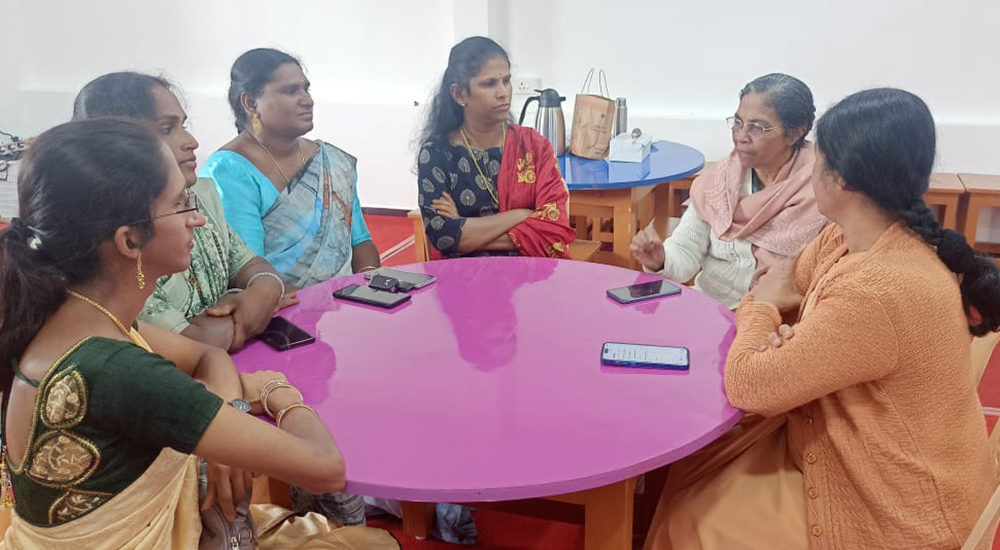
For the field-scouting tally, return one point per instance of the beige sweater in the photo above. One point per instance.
(883, 416)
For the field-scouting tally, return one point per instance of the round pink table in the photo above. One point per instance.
(488, 385)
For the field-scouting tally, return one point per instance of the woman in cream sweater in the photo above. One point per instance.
(752, 209)
(867, 430)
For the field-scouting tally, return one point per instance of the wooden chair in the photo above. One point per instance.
(420, 249)
(581, 250)
(981, 190)
(985, 530)
(945, 191)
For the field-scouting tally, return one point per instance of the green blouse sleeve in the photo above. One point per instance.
(143, 396)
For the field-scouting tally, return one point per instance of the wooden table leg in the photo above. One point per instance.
(623, 232)
(418, 518)
(582, 231)
(608, 515)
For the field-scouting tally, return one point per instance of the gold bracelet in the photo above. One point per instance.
(265, 392)
(367, 268)
(300, 405)
(268, 388)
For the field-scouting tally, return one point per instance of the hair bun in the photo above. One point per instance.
(956, 253)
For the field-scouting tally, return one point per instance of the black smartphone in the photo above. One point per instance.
(381, 282)
(645, 356)
(371, 296)
(407, 280)
(282, 335)
(643, 291)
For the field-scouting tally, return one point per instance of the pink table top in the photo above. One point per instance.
(488, 384)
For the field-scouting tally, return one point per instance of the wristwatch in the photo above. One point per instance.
(240, 405)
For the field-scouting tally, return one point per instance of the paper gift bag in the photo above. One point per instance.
(593, 117)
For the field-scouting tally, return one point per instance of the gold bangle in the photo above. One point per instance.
(367, 268)
(300, 405)
(268, 388)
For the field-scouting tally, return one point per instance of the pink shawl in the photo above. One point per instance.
(779, 220)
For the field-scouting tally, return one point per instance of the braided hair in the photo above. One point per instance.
(882, 143)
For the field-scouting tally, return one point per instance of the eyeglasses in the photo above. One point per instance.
(754, 129)
(191, 205)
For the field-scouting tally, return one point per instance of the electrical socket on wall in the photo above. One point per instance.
(526, 85)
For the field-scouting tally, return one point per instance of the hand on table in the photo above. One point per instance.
(251, 311)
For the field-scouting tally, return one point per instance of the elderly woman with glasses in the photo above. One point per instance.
(752, 209)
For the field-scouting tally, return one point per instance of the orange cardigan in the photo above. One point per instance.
(883, 416)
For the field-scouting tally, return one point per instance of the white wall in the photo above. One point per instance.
(368, 63)
(679, 64)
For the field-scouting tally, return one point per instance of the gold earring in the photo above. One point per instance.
(140, 277)
(256, 125)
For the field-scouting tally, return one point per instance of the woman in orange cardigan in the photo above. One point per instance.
(868, 432)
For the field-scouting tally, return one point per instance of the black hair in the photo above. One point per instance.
(790, 98)
(250, 73)
(125, 94)
(464, 62)
(79, 182)
(881, 142)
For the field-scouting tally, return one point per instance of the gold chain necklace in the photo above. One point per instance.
(302, 158)
(503, 140)
(110, 315)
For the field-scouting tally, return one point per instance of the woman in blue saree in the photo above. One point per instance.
(292, 200)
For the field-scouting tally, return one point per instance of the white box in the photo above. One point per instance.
(626, 149)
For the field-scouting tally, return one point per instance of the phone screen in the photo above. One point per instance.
(281, 335)
(640, 355)
(370, 296)
(643, 291)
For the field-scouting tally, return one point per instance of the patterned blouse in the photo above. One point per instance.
(103, 413)
(443, 167)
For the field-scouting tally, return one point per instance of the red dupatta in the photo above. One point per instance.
(530, 178)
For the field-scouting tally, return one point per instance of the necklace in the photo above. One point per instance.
(110, 315)
(503, 140)
(302, 158)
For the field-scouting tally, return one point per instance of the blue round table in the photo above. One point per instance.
(622, 192)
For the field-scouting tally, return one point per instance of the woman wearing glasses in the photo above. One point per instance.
(752, 209)
(203, 302)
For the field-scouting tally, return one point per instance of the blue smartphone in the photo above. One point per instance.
(643, 291)
(645, 356)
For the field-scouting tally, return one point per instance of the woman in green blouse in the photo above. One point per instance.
(105, 415)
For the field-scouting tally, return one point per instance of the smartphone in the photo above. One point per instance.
(641, 355)
(282, 335)
(381, 282)
(643, 291)
(407, 280)
(371, 296)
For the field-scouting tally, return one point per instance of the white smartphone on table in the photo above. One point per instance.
(645, 356)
